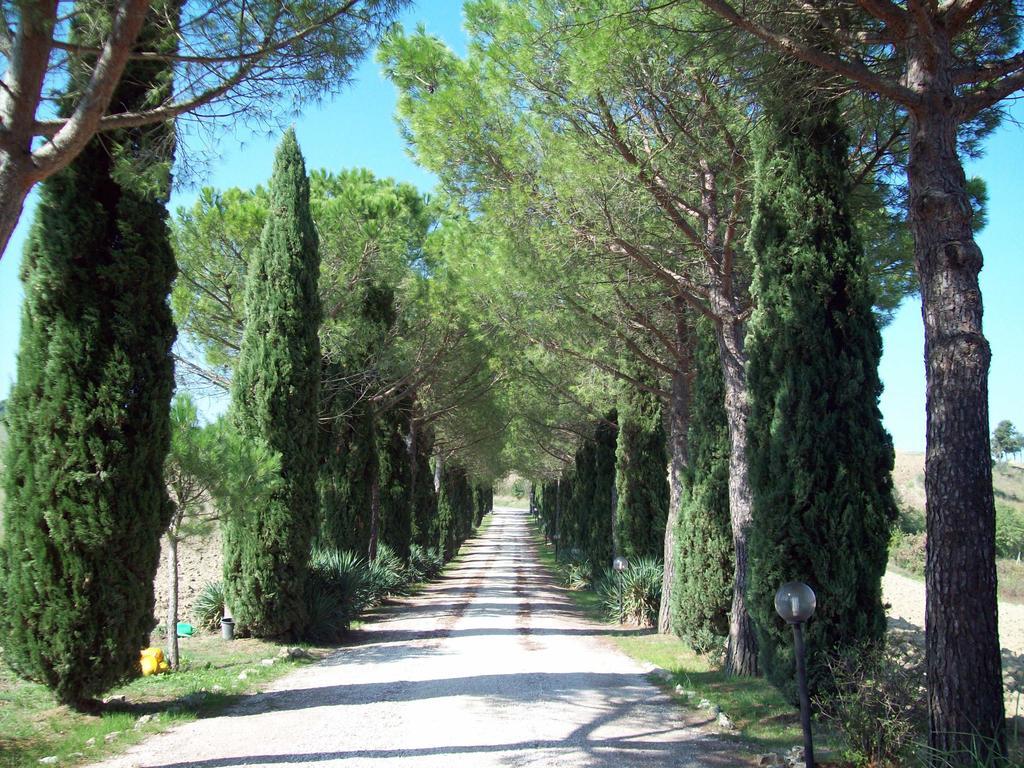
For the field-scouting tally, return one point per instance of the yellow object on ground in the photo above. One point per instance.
(152, 661)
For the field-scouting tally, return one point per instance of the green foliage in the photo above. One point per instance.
(704, 552)
(821, 462)
(275, 399)
(88, 415)
(1009, 531)
(454, 522)
(641, 477)
(208, 607)
(424, 564)
(337, 589)
(641, 592)
(878, 703)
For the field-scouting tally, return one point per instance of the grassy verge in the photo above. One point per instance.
(214, 673)
(761, 716)
(512, 501)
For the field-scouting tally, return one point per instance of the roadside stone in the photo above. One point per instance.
(770, 760)
(661, 674)
(217, 689)
(243, 675)
(119, 699)
(725, 722)
(268, 662)
(51, 760)
(294, 653)
(112, 736)
(141, 722)
(91, 742)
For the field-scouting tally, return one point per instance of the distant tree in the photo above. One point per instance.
(88, 415)
(821, 461)
(275, 400)
(1006, 440)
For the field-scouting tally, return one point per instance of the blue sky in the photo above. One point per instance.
(357, 129)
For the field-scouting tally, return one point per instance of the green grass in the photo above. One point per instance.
(512, 501)
(33, 725)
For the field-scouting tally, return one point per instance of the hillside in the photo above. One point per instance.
(908, 479)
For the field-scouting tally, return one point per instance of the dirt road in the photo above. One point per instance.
(488, 667)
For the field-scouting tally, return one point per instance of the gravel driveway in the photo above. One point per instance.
(490, 666)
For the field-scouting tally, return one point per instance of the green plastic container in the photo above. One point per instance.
(185, 629)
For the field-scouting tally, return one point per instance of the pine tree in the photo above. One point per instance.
(820, 459)
(275, 399)
(88, 416)
(704, 552)
(641, 474)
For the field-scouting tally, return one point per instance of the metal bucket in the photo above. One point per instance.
(227, 628)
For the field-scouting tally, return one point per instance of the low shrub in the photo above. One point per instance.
(386, 575)
(878, 705)
(208, 608)
(906, 551)
(641, 592)
(424, 563)
(575, 571)
(338, 589)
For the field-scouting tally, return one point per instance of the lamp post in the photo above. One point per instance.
(795, 603)
(619, 564)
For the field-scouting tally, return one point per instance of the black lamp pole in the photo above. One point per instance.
(795, 603)
(805, 701)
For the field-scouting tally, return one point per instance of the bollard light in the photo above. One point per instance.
(619, 564)
(795, 603)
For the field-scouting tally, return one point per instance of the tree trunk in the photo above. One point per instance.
(13, 192)
(374, 513)
(741, 654)
(679, 423)
(438, 468)
(965, 696)
(615, 519)
(172, 600)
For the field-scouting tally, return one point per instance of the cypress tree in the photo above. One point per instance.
(394, 470)
(820, 459)
(641, 474)
(275, 398)
(88, 416)
(704, 553)
(599, 539)
(424, 500)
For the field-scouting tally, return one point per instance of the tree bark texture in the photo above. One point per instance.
(172, 601)
(741, 652)
(679, 424)
(965, 697)
(374, 513)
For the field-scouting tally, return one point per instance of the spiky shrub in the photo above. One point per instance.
(338, 589)
(820, 460)
(88, 417)
(208, 608)
(424, 563)
(275, 399)
(387, 575)
(641, 592)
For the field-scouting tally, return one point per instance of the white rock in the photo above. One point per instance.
(91, 742)
(142, 721)
(111, 736)
(243, 675)
(268, 662)
(51, 760)
(725, 722)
